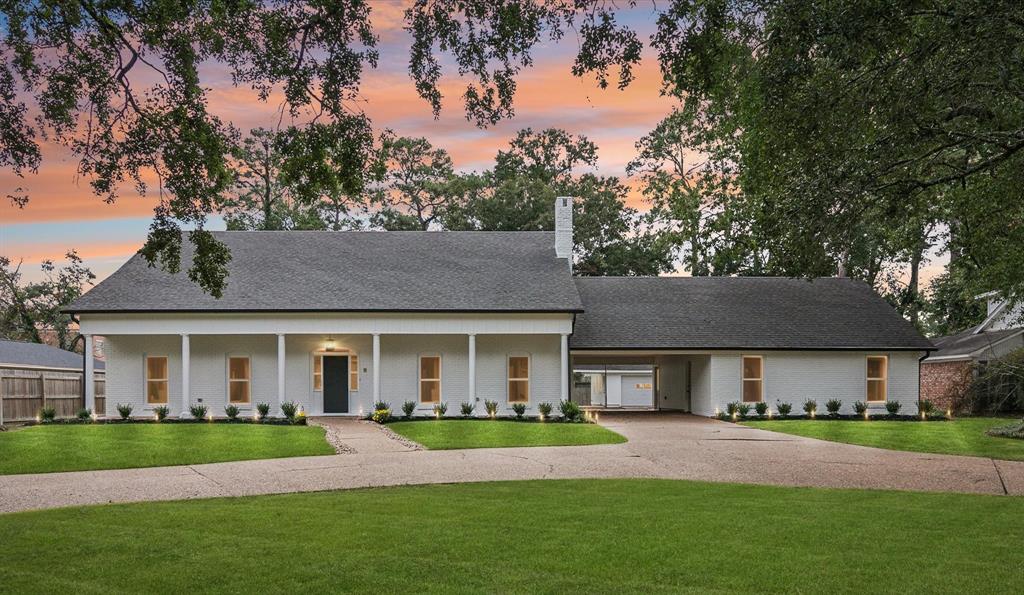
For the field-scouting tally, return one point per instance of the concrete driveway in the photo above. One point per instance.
(661, 445)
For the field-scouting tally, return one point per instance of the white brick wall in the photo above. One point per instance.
(399, 369)
(794, 376)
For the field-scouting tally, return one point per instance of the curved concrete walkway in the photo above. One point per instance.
(660, 446)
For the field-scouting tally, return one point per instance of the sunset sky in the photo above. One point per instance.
(63, 213)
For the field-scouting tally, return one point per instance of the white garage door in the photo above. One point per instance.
(638, 391)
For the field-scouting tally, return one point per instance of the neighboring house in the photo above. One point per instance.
(948, 369)
(336, 321)
(31, 373)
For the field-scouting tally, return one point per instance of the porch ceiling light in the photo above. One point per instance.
(329, 346)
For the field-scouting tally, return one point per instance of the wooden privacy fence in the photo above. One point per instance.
(23, 393)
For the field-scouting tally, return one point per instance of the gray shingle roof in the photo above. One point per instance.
(737, 313)
(966, 342)
(356, 271)
(18, 353)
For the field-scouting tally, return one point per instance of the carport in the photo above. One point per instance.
(654, 380)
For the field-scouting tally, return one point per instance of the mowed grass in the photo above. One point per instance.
(963, 436)
(575, 536)
(455, 433)
(59, 447)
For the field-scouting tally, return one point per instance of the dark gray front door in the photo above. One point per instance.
(335, 384)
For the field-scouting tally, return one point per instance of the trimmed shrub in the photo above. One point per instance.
(544, 409)
(408, 408)
(263, 410)
(743, 409)
(381, 416)
(860, 407)
(893, 407)
(732, 408)
(198, 411)
(83, 414)
(289, 409)
(833, 406)
(519, 409)
(467, 409)
(48, 414)
(232, 412)
(125, 411)
(381, 405)
(440, 409)
(761, 408)
(925, 408)
(570, 411)
(492, 408)
(784, 409)
(161, 412)
(810, 407)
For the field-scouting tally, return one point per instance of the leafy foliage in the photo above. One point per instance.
(833, 406)
(198, 411)
(289, 409)
(893, 407)
(124, 410)
(28, 308)
(408, 408)
(570, 411)
(784, 409)
(161, 412)
(262, 410)
(467, 409)
(232, 412)
(816, 138)
(519, 195)
(121, 85)
(519, 409)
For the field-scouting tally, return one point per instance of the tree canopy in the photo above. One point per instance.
(29, 309)
(840, 137)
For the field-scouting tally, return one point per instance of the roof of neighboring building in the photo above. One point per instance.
(356, 271)
(966, 343)
(737, 313)
(37, 355)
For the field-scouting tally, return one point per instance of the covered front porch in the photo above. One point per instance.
(332, 364)
(638, 381)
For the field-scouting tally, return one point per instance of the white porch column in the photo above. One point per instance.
(280, 369)
(376, 367)
(186, 385)
(90, 377)
(472, 369)
(565, 368)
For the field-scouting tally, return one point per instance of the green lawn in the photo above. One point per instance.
(963, 436)
(583, 536)
(457, 433)
(45, 449)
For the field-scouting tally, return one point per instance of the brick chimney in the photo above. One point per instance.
(563, 228)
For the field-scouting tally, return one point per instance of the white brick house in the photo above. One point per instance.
(335, 321)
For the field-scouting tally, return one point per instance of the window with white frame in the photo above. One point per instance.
(878, 377)
(239, 379)
(353, 371)
(518, 379)
(430, 379)
(156, 379)
(753, 378)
